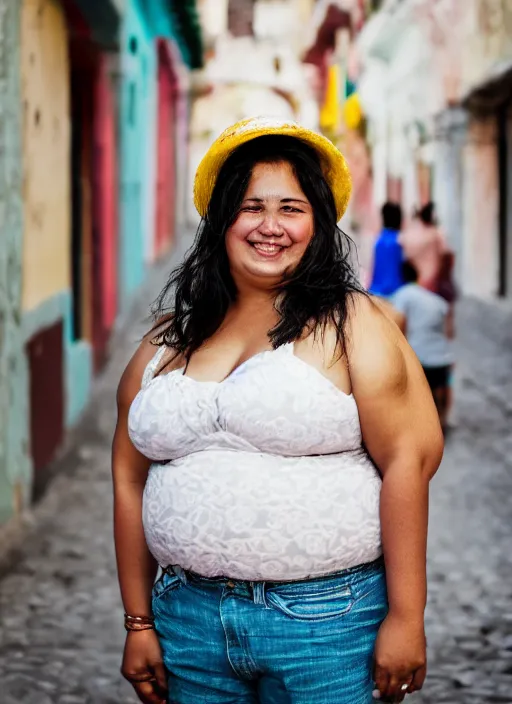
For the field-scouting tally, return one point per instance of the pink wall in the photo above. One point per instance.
(106, 191)
(481, 200)
(166, 160)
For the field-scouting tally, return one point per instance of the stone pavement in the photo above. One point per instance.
(61, 628)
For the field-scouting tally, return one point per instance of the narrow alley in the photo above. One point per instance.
(107, 109)
(61, 625)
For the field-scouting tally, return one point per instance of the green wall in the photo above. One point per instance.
(15, 468)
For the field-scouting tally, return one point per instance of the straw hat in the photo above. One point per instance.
(332, 161)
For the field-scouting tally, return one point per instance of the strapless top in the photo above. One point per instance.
(262, 476)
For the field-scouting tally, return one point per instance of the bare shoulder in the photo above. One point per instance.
(378, 354)
(390, 311)
(131, 379)
(395, 404)
(318, 346)
(371, 353)
(321, 349)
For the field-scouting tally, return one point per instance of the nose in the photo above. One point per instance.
(271, 226)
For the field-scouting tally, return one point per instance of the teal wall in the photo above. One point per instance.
(136, 122)
(159, 18)
(15, 469)
(77, 353)
(144, 21)
(17, 328)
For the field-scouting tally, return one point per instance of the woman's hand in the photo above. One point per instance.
(400, 657)
(143, 666)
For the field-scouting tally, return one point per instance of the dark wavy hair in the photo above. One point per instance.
(199, 292)
(427, 214)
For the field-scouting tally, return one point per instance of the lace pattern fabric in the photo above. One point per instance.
(260, 477)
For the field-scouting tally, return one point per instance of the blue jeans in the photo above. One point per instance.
(310, 642)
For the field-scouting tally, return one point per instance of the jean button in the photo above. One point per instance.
(230, 584)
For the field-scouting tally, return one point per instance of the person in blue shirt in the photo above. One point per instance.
(388, 257)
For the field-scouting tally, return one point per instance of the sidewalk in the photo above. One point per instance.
(61, 631)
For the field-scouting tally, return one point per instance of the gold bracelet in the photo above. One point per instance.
(139, 619)
(131, 626)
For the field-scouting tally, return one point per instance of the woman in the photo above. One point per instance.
(423, 245)
(283, 439)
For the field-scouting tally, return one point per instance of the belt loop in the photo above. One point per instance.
(258, 593)
(179, 572)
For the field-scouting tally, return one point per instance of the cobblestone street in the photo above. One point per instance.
(61, 630)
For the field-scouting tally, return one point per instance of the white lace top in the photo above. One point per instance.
(259, 477)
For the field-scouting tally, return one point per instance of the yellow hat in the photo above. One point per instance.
(332, 161)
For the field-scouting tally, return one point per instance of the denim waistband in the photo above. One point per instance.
(350, 575)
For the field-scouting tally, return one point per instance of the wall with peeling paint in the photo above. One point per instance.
(138, 147)
(15, 468)
(142, 24)
(46, 286)
(46, 157)
(45, 360)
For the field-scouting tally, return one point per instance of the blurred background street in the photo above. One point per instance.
(106, 108)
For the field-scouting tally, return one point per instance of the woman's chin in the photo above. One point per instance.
(259, 275)
(267, 270)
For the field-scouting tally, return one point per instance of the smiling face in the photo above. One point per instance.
(273, 228)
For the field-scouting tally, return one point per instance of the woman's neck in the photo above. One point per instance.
(254, 300)
(255, 307)
(254, 296)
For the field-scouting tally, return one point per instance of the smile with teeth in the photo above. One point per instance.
(267, 247)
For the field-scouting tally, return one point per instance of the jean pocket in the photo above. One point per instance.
(166, 583)
(371, 588)
(313, 603)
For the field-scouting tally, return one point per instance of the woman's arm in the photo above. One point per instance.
(402, 434)
(135, 564)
